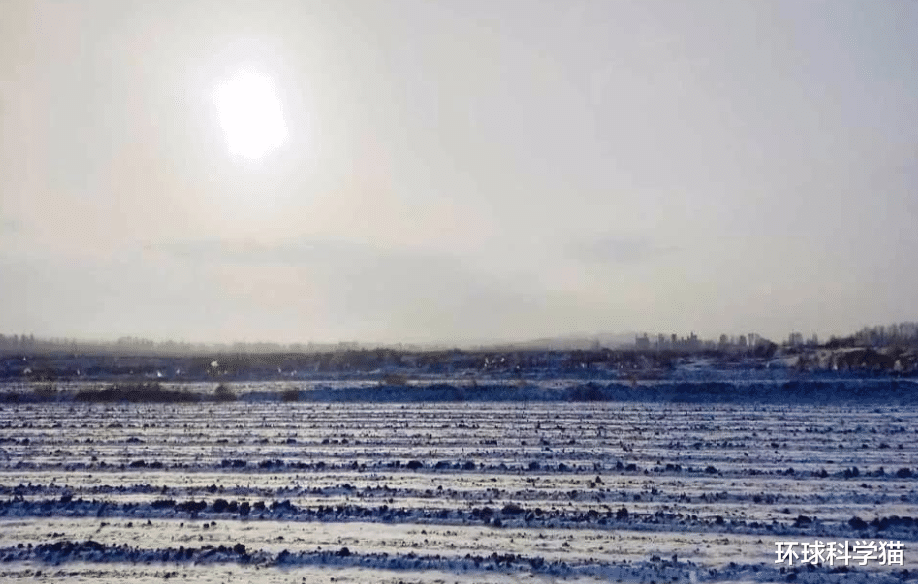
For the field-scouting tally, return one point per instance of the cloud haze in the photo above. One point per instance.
(495, 170)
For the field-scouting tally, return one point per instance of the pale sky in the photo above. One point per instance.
(458, 171)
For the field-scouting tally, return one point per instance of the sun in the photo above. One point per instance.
(250, 114)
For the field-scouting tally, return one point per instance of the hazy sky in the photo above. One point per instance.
(459, 171)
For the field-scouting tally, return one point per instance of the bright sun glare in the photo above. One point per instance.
(250, 114)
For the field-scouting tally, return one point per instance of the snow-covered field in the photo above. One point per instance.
(454, 492)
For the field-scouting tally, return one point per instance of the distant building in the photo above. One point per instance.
(642, 343)
(693, 343)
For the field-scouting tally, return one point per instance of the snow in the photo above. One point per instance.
(545, 491)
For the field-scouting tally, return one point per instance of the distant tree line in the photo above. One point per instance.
(29, 344)
(894, 335)
(902, 334)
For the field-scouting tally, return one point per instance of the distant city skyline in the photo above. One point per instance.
(456, 173)
(881, 335)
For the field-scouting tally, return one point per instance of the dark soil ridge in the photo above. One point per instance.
(381, 493)
(440, 467)
(510, 515)
(655, 568)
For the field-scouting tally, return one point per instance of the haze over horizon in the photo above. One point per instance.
(456, 172)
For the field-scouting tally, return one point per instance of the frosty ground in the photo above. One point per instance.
(517, 491)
